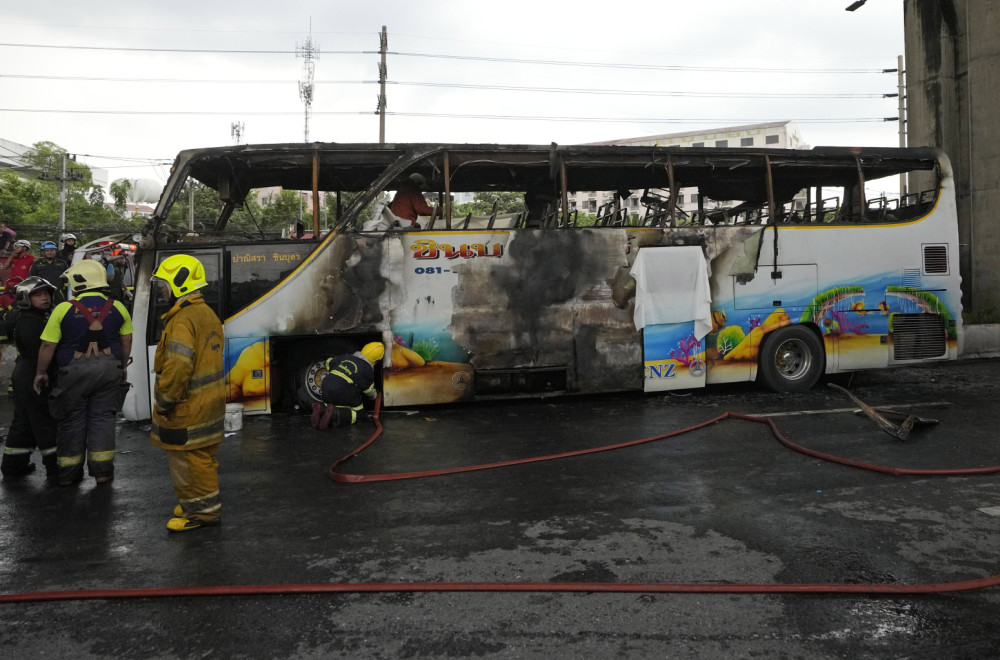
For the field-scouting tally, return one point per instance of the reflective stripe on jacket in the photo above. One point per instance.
(190, 393)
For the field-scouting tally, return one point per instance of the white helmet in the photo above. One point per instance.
(22, 243)
(66, 237)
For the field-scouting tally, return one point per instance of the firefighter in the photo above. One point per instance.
(32, 425)
(189, 399)
(91, 340)
(349, 378)
(51, 266)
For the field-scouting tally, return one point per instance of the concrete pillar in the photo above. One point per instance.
(953, 95)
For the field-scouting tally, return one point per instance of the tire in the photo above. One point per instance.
(306, 369)
(792, 359)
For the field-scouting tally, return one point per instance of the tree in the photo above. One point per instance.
(346, 200)
(119, 192)
(482, 204)
(18, 197)
(31, 205)
(208, 208)
(283, 209)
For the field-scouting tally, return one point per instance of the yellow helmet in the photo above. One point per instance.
(373, 352)
(183, 273)
(86, 275)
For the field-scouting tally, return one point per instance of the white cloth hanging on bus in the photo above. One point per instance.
(671, 286)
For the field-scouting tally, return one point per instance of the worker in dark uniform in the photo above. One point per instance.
(32, 425)
(115, 265)
(50, 267)
(91, 340)
(68, 248)
(349, 378)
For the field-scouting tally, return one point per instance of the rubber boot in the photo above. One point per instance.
(330, 415)
(317, 413)
(51, 468)
(186, 524)
(16, 472)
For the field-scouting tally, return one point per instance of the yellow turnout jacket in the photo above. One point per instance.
(189, 399)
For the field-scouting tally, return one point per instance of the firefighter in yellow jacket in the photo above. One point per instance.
(189, 399)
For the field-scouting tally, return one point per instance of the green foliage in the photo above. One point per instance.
(29, 201)
(18, 197)
(482, 204)
(346, 200)
(208, 208)
(119, 192)
(585, 220)
(285, 208)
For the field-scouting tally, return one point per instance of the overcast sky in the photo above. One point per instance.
(110, 79)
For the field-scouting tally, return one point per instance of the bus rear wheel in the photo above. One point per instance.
(791, 359)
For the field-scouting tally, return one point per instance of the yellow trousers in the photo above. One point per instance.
(195, 473)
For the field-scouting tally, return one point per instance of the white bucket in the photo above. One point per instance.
(234, 417)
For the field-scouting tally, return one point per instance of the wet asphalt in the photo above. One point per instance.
(724, 504)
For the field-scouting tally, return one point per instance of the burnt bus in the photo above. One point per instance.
(787, 268)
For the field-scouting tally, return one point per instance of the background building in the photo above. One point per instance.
(777, 135)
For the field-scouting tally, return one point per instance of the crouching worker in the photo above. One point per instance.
(349, 378)
(91, 340)
(189, 399)
(32, 425)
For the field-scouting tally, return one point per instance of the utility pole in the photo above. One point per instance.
(901, 94)
(310, 53)
(380, 108)
(62, 198)
(63, 177)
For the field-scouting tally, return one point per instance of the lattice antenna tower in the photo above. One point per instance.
(236, 131)
(309, 52)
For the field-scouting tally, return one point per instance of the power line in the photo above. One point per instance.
(403, 35)
(135, 28)
(506, 88)
(638, 120)
(183, 50)
(654, 67)
(649, 120)
(471, 58)
(638, 92)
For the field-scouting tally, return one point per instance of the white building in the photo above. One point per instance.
(776, 135)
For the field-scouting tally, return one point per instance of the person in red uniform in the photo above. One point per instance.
(409, 200)
(19, 262)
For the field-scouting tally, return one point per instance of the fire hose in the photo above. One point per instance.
(565, 587)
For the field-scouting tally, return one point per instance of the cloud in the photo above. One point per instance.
(766, 39)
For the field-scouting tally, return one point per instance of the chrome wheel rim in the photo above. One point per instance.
(793, 359)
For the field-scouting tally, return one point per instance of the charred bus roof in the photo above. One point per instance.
(722, 173)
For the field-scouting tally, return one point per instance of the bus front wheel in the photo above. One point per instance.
(791, 359)
(307, 369)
